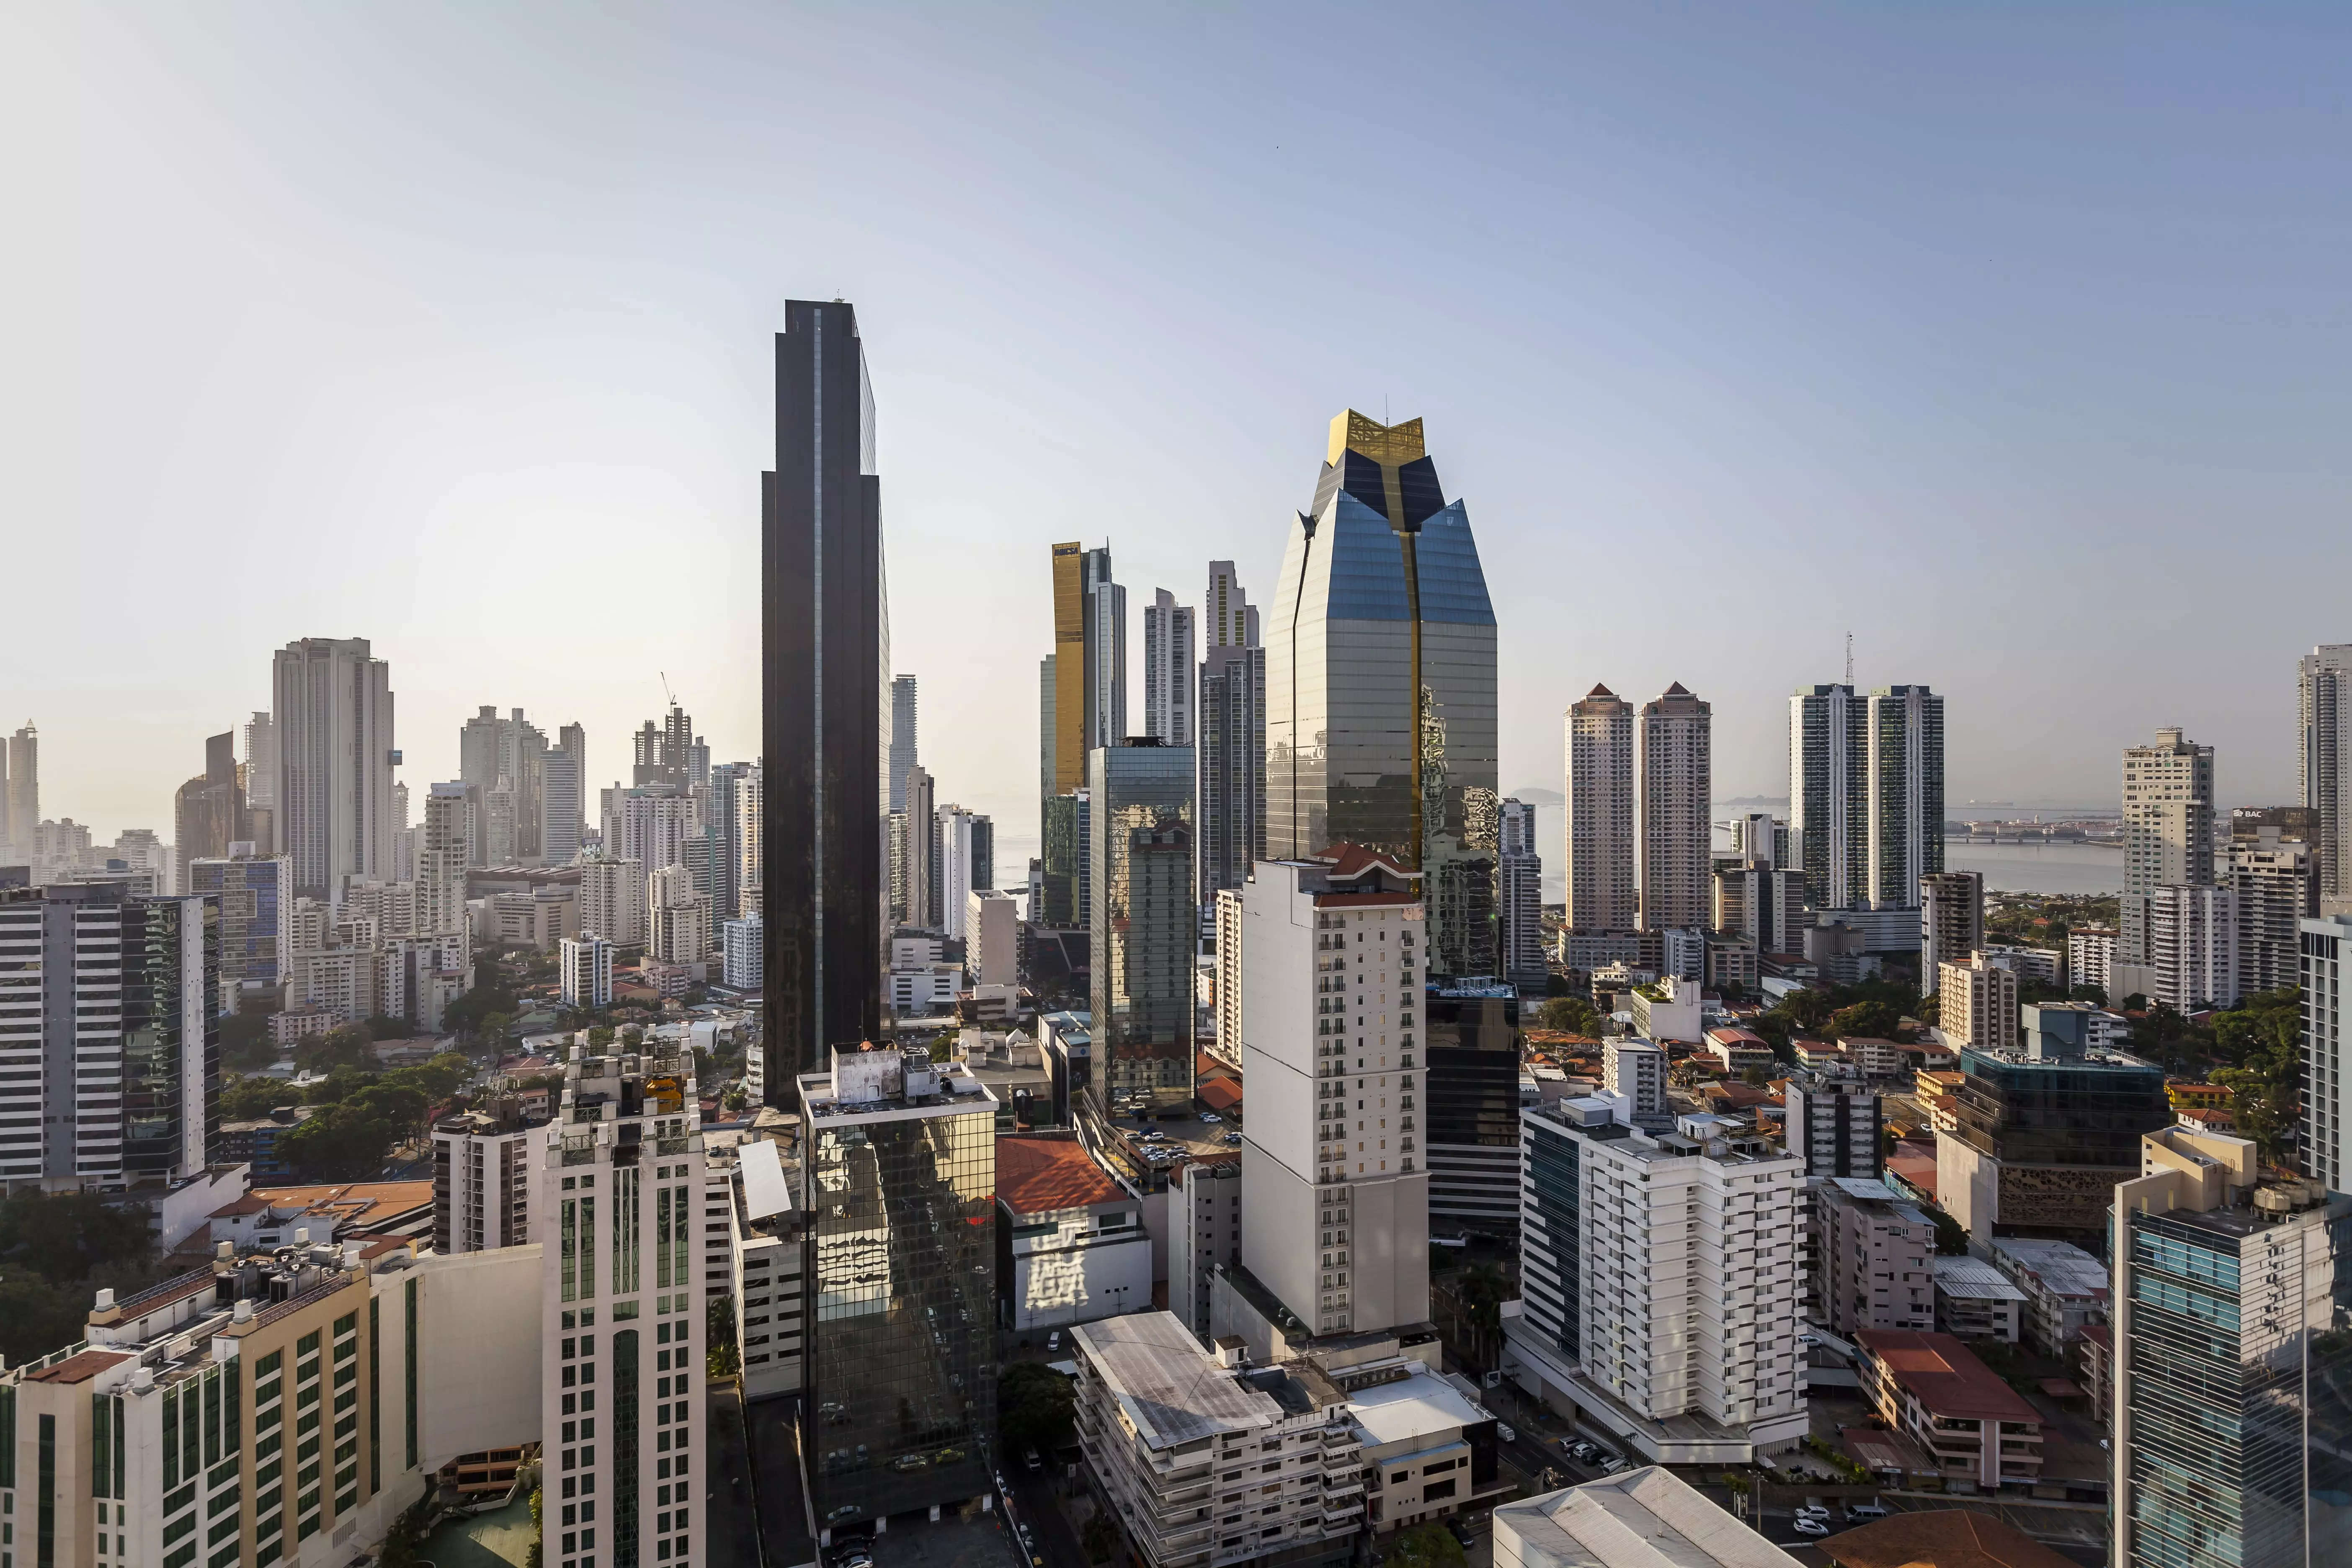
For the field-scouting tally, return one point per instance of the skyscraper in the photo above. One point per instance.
(1232, 717)
(902, 738)
(260, 783)
(1674, 780)
(334, 704)
(23, 777)
(1906, 792)
(921, 848)
(564, 796)
(1866, 795)
(508, 756)
(256, 908)
(2324, 1137)
(825, 658)
(1143, 927)
(2323, 724)
(1381, 684)
(1951, 918)
(1069, 742)
(1106, 652)
(1603, 893)
(1521, 898)
(2168, 828)
(1168, 669)
(208, 812)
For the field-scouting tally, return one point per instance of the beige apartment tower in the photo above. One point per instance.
(1602, 894)
(1672, 783)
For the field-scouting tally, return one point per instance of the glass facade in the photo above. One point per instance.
(1063, 847)
(1552, 1270)
(171, 1033)
(2066, 1112)
(2238, 1364)
(902, 1400)
(1472, 1116)
(1381, 708)
(249, 893)
(1145, 925)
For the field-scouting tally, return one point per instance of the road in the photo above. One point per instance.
(1034, 1504)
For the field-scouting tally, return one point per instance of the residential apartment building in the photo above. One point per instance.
(481, 1179)
(1836, 1124)
(1604, 893)
(1951, 918)
(2190, 943)
(1981, 1433)
(2090, 956)
(1761, 904)
(587, 972)
(1168, 670)
(1635, 1068)
(1979, 1003)
(1658, 1279)
(2324, 1137)
(1520, 899)
(616, 1214)
(1866, 795)
(743, 945)
(613, 899)
(1876, 1255)
(2276, 885)
(1204, 1235)
(1673, 780)
(991, 938)
(1975, 1301)
(332, 704)
(2168, 831)
(2323, 764)
(2065, 1289)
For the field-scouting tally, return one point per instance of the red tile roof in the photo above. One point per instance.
(352, 1204)
(79, 1368)
(1945, 1375)
(1040, 1175)
(1218, 1093)
(1939, 1538)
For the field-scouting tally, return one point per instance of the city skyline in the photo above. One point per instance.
(453, 404)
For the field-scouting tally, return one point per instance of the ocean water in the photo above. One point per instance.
(2040, 868)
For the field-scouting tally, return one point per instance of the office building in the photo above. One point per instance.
(1604, 893)
(1204, 1235)
(1658, 1282)
(110, 1016)
(1674, 778)
(208, 812)
(2276, 884)
(744, 953)
(826, 649)
(2039, 1142)
(1979, 1003)
(1836, 1125)
(2231, 1440)
(1168, 670)
(1334, 965)
(2324, 1139)
(991, 938)
(1876, 1255)
(587, 972)
(1064, 673)
(1144, 926)
(255, 896)
(1519, 898)
(1931, 1388)
(1646, 1518)
(1472, 1030)
(617, 1218)
(1636, 1069)
(2324, 720)
(332, 702)
(1231, 802)
(2168, 831)
(904, 752)
(1866, 795)
(1206, 1461)
(481, 1177)
(1074, 1245)
(23, 796)
(1951, 918)
(1381, 684)
(899, 1188)
(920, 852)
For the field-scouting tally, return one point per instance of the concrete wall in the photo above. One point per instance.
(1062, 1286)
(479, 1367)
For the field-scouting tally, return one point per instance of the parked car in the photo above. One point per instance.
(910, 1462)
(1033, 1461)
(1054, 1340)
(1210, 1116)
(1812, 1511)
(1503, 1430)
(1873, 1508)
(1806, 1524)
(1581, 1450)
(1613, 1464)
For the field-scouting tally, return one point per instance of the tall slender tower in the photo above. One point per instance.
(1906, 792)
(24, 786)
(1673, 782)
(1829, 812)
(1522, 898)
(333, 703)
(902, 738)
(1232, 829)
(209, 811)
(1381, 684)
(826, 658)
(1068, 672)
(1168, 671)
(2167, 821)
(1106, 652)
(1602, 891)
(2323, 721)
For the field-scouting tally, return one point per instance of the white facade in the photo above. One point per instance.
(1636, 1069)
(1668, 1008)
(2090, 956)
(2191, 945)
(653, 828)
(621, 1313)
(959, 835)
(1597, 835)
(991, 938)
(766, 1267)
(745, 965)
(1077, 1263)
(2324, 1137)
(1980, 1004)
(1170, 660)
(1673, 790)
(1204, 1233)
(2168, 830)
(613, 899)
(1677, 1295)
(1331, 1012)
(2274, 879)
(1519, 884)
(333, 709)
(587, 972)
(1226, 1041)
(481, 1183)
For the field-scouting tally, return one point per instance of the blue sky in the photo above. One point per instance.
(2012, 341)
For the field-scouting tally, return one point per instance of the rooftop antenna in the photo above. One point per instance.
(1849, 658)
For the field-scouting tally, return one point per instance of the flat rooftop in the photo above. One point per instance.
(1174, 1390)
(1411, 1408)
(1974, 1279)
(1642, 1519)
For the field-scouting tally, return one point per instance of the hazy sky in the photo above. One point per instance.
(2015, 343)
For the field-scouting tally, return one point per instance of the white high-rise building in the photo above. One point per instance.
(1333, 964)
(441, 860)
(750, 812)
(1520, 906)
(1602, 892)
(617, 1211)
(1668, 1291)
(991, 938)
(1673, 780)
(961, 838)
(587, 973)
(2168, 829)
(481, 1180)
(613, 899)
(1636, 1069)
(655, 826)
(333, 703)
(2323, 730)
(1169, 662)
(678, 916)
(744, 967)
(2192, 947)
(1979, 1003)
(563, 801)
(2276, 893)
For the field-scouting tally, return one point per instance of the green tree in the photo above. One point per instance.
(1755, 1077)
(1427, 1546)
(251, 1099)
(1034, 1407)
(346, 1141)
(722, 1357)
(1101, 1538)
(1806, 1009)
(1872, 1020)
(1951, 1238)
(346, 1045)
(1570, 1014)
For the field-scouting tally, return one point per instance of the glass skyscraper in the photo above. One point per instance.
(1380, 718)
(1143, 925)
(1472, 1030)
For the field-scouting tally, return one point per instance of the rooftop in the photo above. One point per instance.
(1411, 1406)
(2060, 1267)
(1041, 1175)
(1945, 1375)
(79, 1368)
(1941, 1538)
(1641, 1519)
(1171, 1389)
(1974, 1279)
(354, 1205)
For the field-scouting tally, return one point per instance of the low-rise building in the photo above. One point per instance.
(1937, 1094)
(1983, 1435)
(765, 1270)
(1649, 1518)
(1428, 1448)
(1873, 1057)
(273, 1217)
(1204, 1459)
(1974, 1301)
(2065, 1289)
(1071, 1246)
(1738, 1049)
(1667, 1009)
(2043, 965)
